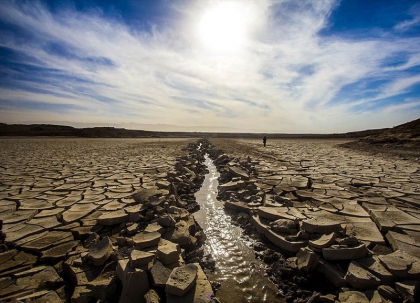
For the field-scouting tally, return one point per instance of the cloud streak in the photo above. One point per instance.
(288, 77)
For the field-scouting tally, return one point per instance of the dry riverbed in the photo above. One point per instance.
(335, 223)
(100, 219)
(111, 219)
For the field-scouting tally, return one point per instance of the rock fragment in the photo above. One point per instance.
(113, 218)
(180, 234)
(323, 242)
(152, 297)
(360, 278)
(166, 220)
(284, 226)
(401, 265)
(58, 252)
(99, 252)
(332, 273)
(353, 297)
(168, 252)
(159, 274)
(306, 260)
(389, 293)
(139, 258)
(135, 282)
(47, 241)
(201, 292)
(409, 289)
(344, 252)
(238, 172)
(181, 280)
(374, 266)
(145, 239)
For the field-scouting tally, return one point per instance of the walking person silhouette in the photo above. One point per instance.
(265, 140)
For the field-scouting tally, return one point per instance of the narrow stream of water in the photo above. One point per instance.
(240, 274)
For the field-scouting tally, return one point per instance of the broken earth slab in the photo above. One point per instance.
(306, 259)
(154, 227)
(92, 282)
(284, 226)
(353, 297)
(239, 206)
(180, 234)
(135, 282)
(238, 172)
(201, 292)
(168, 252)
(100, 251)
(21, 232)
(277, 239)
(181, 280)
(324, 241)
(152, 297)
(12, 289)
(11, 217)
(386, 220)
(404, 242)
(332, 273)
(408, 289)
(77, 212)
(47, 222)
(144, 239)
(283, 242)
(275, 213)
(112, 218)
(139, 258)
(373, 265)
(389, 293)
(58, 252)
(345, 252)
(365, 231)
(159, 274)
(401, 265)
(144, 194)
(360, 278)
(47, 241)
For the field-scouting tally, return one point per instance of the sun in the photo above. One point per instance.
(223, 28)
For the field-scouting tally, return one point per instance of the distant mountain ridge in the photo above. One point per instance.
(69, 131)
(145, 126)
(112, 132)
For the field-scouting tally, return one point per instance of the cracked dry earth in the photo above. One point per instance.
(52, 192)
(348, 216)
(73, 227)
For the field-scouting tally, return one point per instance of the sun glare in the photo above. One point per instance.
(223, 28)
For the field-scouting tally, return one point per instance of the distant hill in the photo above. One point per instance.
(67, 131)
(407, 133)
(112, 132)
(403, 139)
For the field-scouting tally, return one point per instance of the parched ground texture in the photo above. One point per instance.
(319, 188)
(52, 191)
(59, 184)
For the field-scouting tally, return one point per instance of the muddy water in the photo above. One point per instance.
(240, 274)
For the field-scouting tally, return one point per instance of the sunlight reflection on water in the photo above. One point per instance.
(240, 274)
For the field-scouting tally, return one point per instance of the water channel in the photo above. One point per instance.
(240, 274)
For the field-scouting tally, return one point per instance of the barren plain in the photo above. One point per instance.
(111, 219)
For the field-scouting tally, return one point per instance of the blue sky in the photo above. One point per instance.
(319, 66)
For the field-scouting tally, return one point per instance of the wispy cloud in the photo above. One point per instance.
(412, 22)
(288, 77)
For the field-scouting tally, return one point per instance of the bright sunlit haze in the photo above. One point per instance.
(223, 28)
(239, 66)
